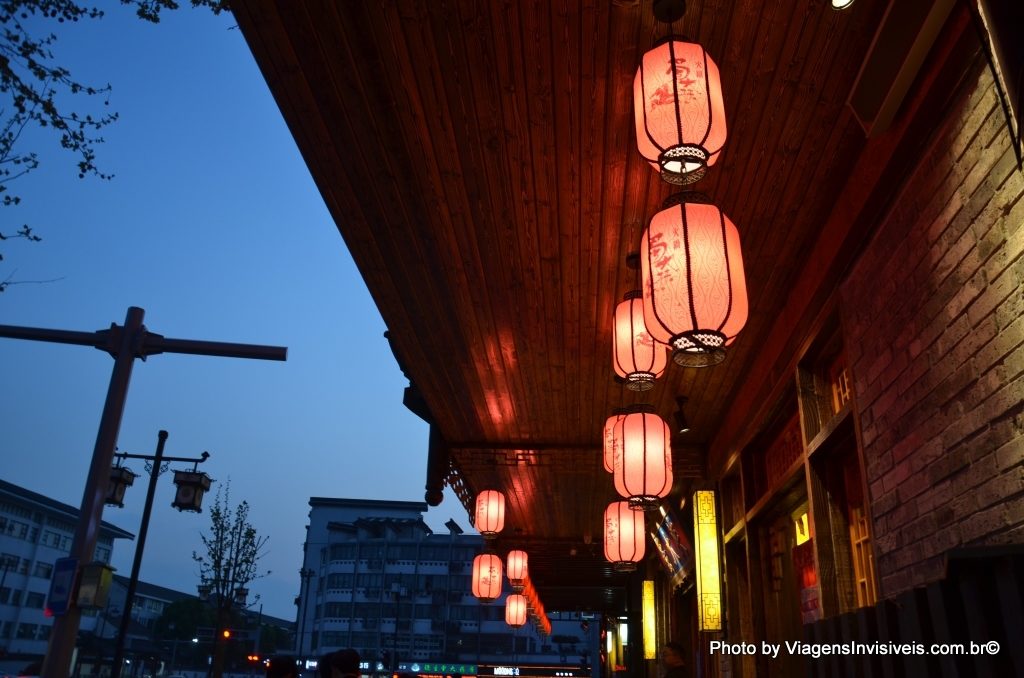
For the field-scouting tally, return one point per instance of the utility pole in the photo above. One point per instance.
(125, 344)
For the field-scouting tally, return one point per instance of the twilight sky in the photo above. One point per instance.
(213, 225)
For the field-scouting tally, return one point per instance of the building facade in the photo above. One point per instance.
(377, 579)
(34, 532)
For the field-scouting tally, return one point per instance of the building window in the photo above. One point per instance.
(44, 570)
(26, 632)
(5, 630)
(35, 600)
(103, 554)
(16, 529)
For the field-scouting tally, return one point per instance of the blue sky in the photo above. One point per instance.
(213, 225)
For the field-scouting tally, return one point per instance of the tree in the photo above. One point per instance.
(229, 564)
(35, 91)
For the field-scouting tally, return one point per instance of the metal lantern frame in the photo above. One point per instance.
(121, 478)
(192, 485)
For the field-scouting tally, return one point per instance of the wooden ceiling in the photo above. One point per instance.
(479, 159)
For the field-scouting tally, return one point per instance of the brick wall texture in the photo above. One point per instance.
(933, 322)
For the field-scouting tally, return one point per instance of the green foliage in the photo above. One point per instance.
(233, 551)
(32, 83)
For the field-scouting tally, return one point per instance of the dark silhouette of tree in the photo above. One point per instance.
(37, 91)
(229, 564)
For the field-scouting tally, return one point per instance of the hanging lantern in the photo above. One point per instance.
(490, 513)
(487, 577)
(612, 438)
(515, 611)
(637, 358)
(192, 485)
(121, 478)
(517, 569)
(695, 295)
(643, 469)
(678, 110)
(623, 536)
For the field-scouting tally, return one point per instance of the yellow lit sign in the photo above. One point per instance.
(648, 602)
(709, 588)
(803, 531)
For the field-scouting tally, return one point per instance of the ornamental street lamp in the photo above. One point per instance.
(156, 464)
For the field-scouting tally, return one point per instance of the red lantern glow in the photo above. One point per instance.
(517, 569)
(623, 536)
(612, 439)
(515, 610)
(679, 111)
(643, 470)
(695, 294)
(490, 513)
(637, 358)
(487, 577)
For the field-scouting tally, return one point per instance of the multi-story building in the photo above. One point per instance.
(376, 578)
(34, 532)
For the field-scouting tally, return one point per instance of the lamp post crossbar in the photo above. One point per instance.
(124, 343)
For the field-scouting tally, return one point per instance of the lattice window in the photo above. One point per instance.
(839, 380)
(863, 560)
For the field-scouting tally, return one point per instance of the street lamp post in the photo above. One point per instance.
(155, 469)
(124, 343)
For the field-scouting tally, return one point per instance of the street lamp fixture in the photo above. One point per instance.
(192, 485)
(121, 478)
(156, 465)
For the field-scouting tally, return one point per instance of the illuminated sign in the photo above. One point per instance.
(455, 669)
(534, 671)
(648, 610)
(709, 589)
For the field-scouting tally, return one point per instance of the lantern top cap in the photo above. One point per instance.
(684, 197)
(633, 260)
(667, 11)
(640, 408)
(632, 294)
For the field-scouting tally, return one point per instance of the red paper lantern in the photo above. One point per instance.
(695, 294)
(515, 610)
(637, 358)
(517, 569)
(623, 536)
(643, 470)
(612, 438)
(487, 577)
(679, 112)
(490, 513)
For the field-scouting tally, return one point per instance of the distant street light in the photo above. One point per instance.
(156, 464)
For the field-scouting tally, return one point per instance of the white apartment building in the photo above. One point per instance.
(377, 579)
(34, 532)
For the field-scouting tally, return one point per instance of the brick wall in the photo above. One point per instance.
(933, 317)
